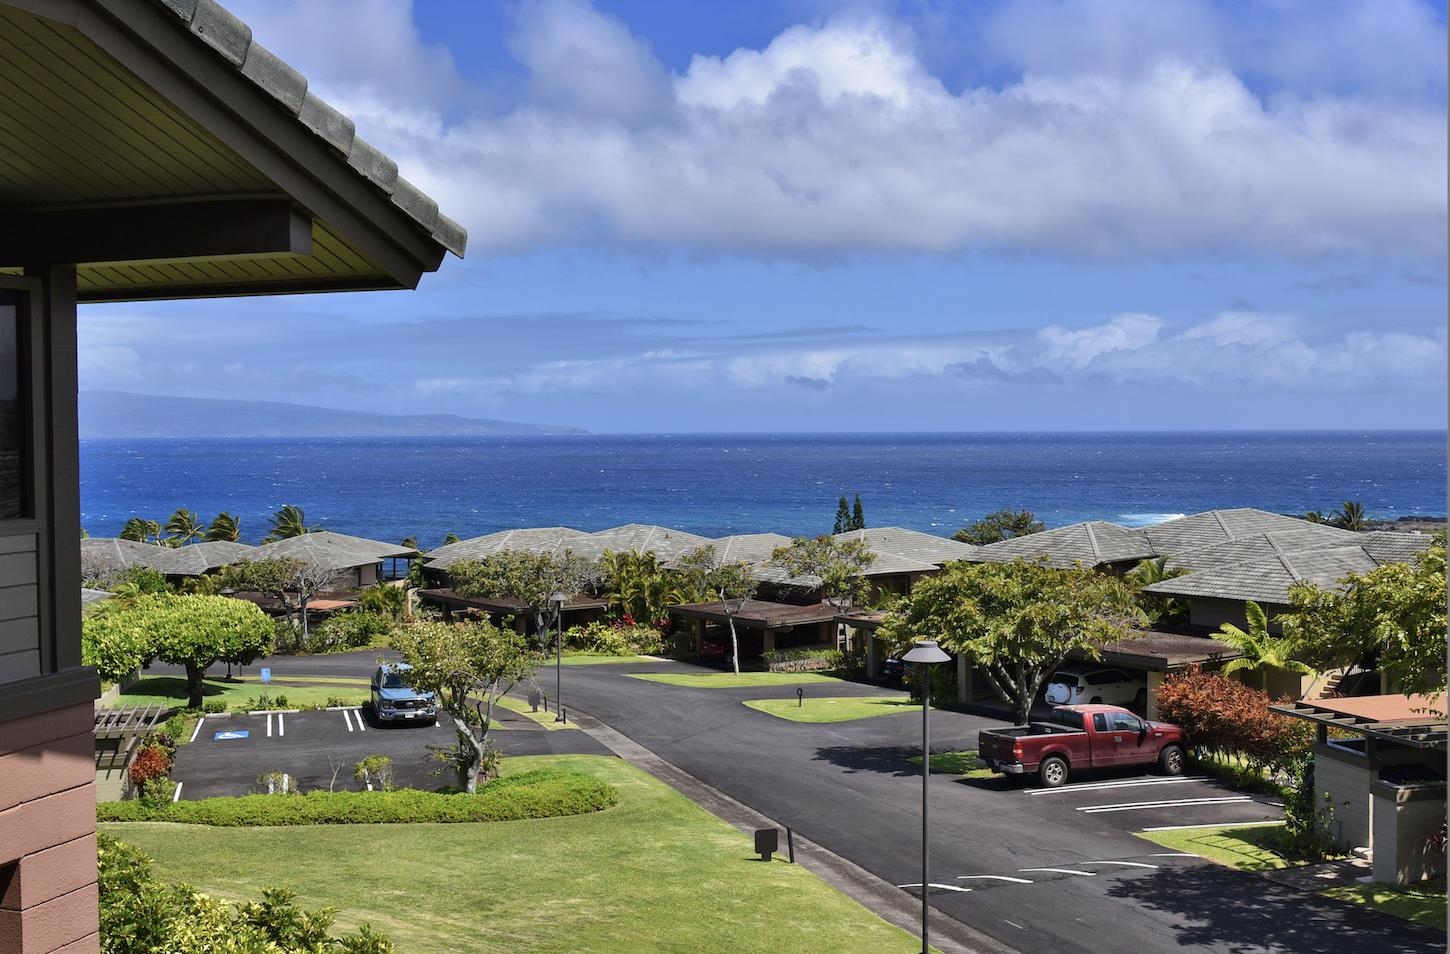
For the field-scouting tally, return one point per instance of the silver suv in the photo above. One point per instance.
(396, 701)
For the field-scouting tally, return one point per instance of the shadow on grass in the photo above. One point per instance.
(172, 687)
(1234, 911)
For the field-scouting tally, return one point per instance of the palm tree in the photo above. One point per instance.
(288, 522)
(639, 586)
(183, 527)
(135, 530)
(226, 526)
(1260, 650)
(451, 538)
(1157, 608)
(410, 543)
(1350, 516)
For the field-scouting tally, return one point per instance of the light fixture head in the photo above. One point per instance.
(558, 599)
(926, 651)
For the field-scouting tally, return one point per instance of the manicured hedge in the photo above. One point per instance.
(539, 794)
(802, 659)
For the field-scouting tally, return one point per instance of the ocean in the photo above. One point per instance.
(714, 485)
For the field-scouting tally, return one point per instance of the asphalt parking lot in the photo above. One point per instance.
(319, 749)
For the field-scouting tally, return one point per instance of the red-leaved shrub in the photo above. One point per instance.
(150, 762)
(1222, 716)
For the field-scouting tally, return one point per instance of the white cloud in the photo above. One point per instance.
(837, 138)
(1079, 348)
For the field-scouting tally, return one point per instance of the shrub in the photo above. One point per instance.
(620, 638)
(255, 703)
(802, 659)
(149, 762)
(375, 771)
(140, 913)
(158, 793)
(178, 727)
(543, 793)
(213, 706)
(1224, 717)
(278, 783)
(352, 630)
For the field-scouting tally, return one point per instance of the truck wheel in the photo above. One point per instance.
(1052, 771)
(1170, 760)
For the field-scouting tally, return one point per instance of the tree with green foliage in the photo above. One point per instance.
(638, 586)
(384, 600)
(531, 578)
(1157, 607)
(450, 537)
(1259, 649)
(701, 572)
(1000, 525)
(288, 522)
(1349, 516)
(188, 631)
(293, 582)
(225, 527)
(470, 666)
(843, 516)
(1016, 621)
(1393, 615)
(182, 527)
(838, 567)
(858, 515)
(141, 530)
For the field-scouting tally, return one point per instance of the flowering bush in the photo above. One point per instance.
(1224, 717)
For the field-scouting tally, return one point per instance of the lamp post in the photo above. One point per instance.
(558, 599)
(927, 653)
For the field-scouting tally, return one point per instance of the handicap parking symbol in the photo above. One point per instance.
(231, 734)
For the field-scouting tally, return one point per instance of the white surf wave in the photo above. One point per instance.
(1143, 519)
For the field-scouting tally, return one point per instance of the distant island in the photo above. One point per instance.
(123, 415)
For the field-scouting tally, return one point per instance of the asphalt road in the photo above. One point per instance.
(1055, 871)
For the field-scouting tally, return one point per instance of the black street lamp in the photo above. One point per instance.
(559, 599)
(926, 652)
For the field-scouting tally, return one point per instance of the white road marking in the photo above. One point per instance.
(348, 719)
(994, 878)
(1071, 871)
(1015, 925)
(1173, 854)
(269, 725)
(280, 730)
(361, 727)
(1125, 864)
(197, 731)
(177, 796)
(1214, 825)
(944, 887)
(1133, 783)
(1168, 803)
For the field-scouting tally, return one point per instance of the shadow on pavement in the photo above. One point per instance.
(896, 760)
(1236, 911)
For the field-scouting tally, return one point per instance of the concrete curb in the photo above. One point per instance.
(882, 898)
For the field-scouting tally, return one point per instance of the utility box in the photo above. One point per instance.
(767, 842)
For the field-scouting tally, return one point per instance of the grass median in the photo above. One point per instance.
(1422, 903)
(964, 763)
(171, 691)
(654, 873)
(1245, 847)
(737, 680)
(833, 709)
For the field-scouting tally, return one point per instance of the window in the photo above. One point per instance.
(15, 457)
(1100, 722)
(1123, 722)
(1104, 677)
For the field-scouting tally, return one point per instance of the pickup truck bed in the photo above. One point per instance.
(1081, 737)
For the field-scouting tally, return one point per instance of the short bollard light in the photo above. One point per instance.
(800, 698)
(767, 842)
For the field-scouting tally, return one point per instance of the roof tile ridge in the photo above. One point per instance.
(1092, 538)
(1293, 573)
(1218, 516)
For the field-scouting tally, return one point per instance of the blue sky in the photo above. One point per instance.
(806, 215)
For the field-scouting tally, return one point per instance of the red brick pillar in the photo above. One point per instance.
(48, 897)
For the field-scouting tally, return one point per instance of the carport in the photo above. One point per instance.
(761, 625)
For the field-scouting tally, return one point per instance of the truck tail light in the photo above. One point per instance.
(1017, 750)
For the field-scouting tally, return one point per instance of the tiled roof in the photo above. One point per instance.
(231, 39)
(749, 547)
(194, 559)
(333, 550)
(899, 550)
(531, 540)
(1268, 581)
(1388, 546)
(1262, 546)
(1091, 544)
(663, 542)
(759, 613)
(1215, 526)
(1162, 651)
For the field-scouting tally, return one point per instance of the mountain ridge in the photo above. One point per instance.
(123, 414)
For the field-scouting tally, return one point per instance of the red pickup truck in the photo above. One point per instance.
(1082, 737)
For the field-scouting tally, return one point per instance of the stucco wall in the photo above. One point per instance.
(1345, 778)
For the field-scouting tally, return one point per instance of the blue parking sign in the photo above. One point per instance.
(266, 674)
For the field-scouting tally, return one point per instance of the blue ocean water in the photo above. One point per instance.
(787, 483)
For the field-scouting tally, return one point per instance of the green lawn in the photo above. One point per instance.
(171, 691)
(654, 873)
(1247, 848)
(1422, 903)
(545, 719)
(965, 764)
(730, 680)
(594, 659)
(838, 709)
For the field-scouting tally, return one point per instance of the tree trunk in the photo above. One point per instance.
(194, 685)
(734, 643)
(302, 608)
(467, 744)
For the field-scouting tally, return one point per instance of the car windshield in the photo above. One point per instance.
(394, 680)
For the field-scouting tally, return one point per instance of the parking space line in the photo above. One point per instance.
(197, 731)
(361, 725)
(944, 887)
(1214, 825)
(1125, 864)
(176, 795)
(1070, 871)
(1134, 783)
(1173, 854)
(269, 725)
(1170, 803)
(993, 878)
(347, 719)
(281, 730)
